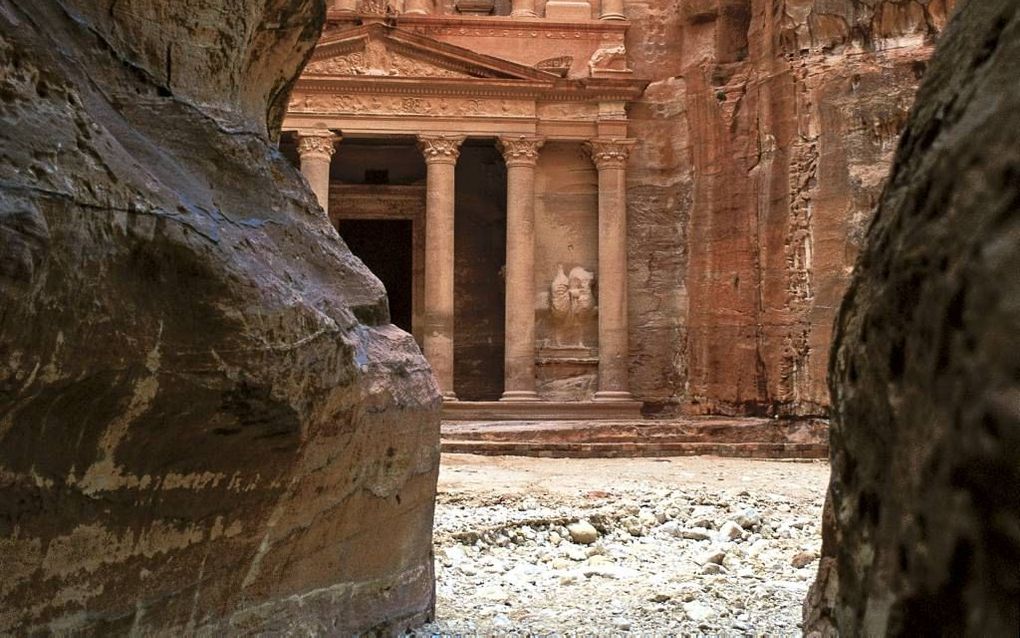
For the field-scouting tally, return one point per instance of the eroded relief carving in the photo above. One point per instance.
(609, 59)
(571, 305)
(408, 105)
(350, 64)
(376, 60)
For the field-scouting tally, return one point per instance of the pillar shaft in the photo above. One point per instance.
(522, 9)
(610, 157)
(612, 10)
(316, 151)
(521, 155)
(441, 154)
(418, 7)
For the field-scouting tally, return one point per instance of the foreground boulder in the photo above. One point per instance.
(922, 531)
(207, 424)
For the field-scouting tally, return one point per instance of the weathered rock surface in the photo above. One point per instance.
(766, 134)
(207, 425)
(922, 531)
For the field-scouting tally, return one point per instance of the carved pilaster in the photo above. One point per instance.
(520, 151)
(609, 153)
(440, 149)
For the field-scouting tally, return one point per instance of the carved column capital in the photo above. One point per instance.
(521, 150)
(609, 153)
(317, 142)
(440, 149)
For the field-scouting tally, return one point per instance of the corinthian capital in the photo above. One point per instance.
(440, 148)
(609, 153)
(521, 150)
(317, 142)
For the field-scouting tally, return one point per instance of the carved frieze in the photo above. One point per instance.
(568, 111)
(409, 67)
(518, 32)
(380, 63)
(347, 104)
(350, 64)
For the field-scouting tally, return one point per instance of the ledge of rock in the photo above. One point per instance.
(207, 424)
(922, 529)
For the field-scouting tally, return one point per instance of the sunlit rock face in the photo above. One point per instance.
(766, 135)
(921, 532)
(207, 425)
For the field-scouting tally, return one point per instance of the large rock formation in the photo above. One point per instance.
(766, 134)
(922, 531)
(206, 423)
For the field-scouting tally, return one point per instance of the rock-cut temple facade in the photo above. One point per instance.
(592, 209)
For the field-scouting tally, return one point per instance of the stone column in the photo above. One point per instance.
(348, 6)
(418, 7)
(523, 9)
(610, 157)
(441, 152)
(316, 150)
(612, 10)
(521, 155)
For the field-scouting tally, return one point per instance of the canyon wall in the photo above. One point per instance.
(207, 424)
(921, 534)
(766, 134)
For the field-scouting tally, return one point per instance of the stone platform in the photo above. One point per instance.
(535, 411)
(718, 436)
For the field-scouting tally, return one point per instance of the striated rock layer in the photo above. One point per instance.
(922, 531)
(766, 134)
(207, 425)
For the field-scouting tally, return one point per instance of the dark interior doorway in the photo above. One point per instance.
(479, 253)
(385, 245)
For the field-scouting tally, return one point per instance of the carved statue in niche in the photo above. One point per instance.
(571, 304)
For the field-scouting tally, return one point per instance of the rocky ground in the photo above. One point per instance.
(696, 545)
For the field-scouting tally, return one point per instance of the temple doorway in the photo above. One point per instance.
(479, 284)
(386, 248)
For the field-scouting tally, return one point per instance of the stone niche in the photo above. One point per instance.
(566, 260)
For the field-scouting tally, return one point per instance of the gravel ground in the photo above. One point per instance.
(688, 546)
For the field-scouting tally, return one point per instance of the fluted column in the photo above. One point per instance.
(522, 9)
(441, 152)
(610, 157)
(521, 155)
(612, 10)
(316, 148)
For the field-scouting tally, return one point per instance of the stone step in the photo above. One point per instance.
(732, 437)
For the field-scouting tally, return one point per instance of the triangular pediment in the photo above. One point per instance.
(378, 50)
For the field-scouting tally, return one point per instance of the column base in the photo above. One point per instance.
(613, 395)
(450, 396)
(612, 16)
(526, 13)
(519, 395)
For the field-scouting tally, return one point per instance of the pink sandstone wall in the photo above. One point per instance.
(766, 133)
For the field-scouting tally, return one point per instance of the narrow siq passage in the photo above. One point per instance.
(611, 546)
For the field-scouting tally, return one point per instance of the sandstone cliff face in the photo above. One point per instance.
(206, 423)
(766, 135)
(922, 532)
